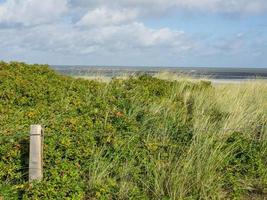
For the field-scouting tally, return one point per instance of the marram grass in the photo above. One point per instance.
(136, 138)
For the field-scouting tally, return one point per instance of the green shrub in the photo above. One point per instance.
(139, 138)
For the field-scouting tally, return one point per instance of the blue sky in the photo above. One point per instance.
(207, 33)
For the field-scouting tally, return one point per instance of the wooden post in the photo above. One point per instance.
(36, 153)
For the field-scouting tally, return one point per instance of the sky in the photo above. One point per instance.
(186, 33)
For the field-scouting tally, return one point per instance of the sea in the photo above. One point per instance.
(215, 73)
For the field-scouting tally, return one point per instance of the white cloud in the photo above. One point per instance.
(102, 12)
(69, 39)
(104, 16)
(147, 7)
(221, 6)
(31, 12)
(142, 36)
(117, 29)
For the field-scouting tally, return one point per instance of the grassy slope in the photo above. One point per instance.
(141, 138)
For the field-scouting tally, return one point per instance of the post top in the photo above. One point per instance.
(36, 129)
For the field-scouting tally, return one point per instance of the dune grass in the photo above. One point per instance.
(135, 138)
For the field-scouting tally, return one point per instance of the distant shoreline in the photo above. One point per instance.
(234, 81)
(222, 74)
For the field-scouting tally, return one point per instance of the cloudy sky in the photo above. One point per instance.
(215, 33)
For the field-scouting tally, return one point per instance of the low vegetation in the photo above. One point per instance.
(139, 138)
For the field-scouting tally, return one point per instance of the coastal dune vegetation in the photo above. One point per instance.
(135, 138)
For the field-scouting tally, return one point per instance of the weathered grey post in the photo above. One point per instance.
(36, 153)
